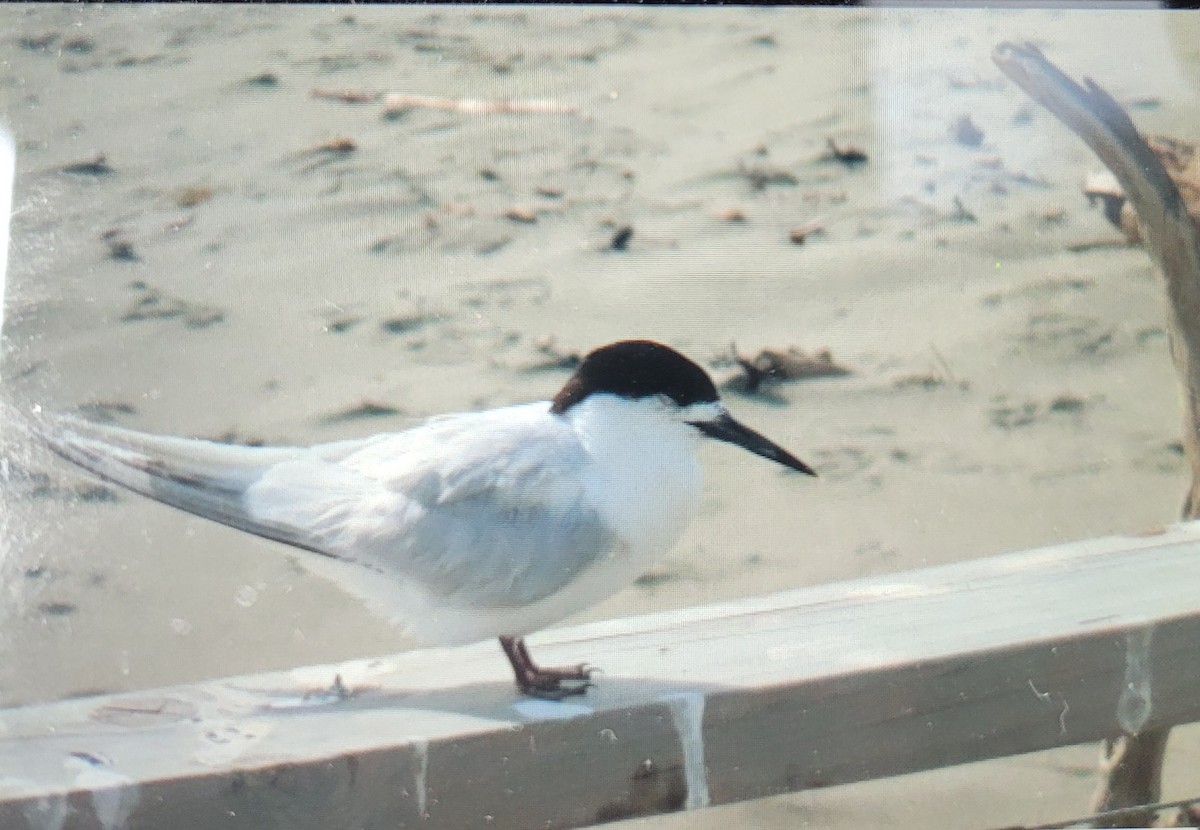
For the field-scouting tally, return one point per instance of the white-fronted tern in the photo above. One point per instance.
(472, 525)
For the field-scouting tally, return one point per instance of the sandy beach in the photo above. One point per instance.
(287, 225)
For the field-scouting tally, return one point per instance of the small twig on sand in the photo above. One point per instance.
(346, 96)
(846, 154)
(394, 105)
(340, 146)
(960, 212)
(1099, 245)
(943, 364)
(800, 234)
(555, 358)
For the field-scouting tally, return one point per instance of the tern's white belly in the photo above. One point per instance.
(440, 624)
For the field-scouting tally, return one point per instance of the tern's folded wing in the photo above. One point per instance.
(482, 510)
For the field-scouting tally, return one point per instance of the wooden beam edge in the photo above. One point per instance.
(803, 689)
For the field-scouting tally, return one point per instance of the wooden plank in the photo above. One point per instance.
(803, 689)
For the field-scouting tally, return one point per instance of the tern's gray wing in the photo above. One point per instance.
(481, 509)
(484, 510)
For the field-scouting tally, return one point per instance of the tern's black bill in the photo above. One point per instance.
(725, 428)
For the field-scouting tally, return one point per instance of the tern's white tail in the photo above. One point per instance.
(206, 478)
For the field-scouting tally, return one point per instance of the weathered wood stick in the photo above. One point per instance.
(393, 104)
(346, 96)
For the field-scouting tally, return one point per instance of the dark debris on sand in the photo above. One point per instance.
(778, 365)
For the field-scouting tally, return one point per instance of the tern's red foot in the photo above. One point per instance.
(546, 683)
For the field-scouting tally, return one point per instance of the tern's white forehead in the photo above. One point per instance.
(651, 413)
(656, 405)
(699, 412)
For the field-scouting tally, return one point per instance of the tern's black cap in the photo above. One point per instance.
(636, 369)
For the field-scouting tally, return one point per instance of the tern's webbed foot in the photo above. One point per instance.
(546, 683)
(549, 682)
(581, 671)
(549, 686)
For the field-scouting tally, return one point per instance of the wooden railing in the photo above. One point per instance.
(799, 690)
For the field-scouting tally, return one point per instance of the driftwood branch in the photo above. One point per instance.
(1171, 236)
(1131, 765)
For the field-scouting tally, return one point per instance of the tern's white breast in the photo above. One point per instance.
(644, 477)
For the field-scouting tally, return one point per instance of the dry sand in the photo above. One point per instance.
(229, 277)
